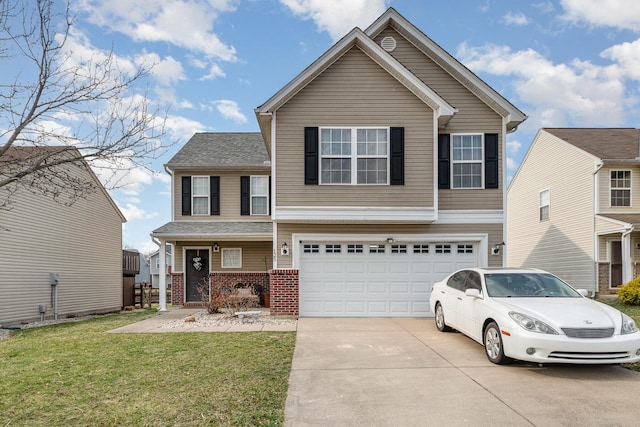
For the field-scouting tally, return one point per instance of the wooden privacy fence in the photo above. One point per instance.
(146, 295)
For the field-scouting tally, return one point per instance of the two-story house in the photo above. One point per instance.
(573, 210)
(378, 170)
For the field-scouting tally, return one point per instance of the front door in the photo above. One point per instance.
(197, 272)
(616, 264)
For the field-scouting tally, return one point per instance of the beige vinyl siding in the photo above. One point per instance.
(82, 243)
(604, 187)
(229, 196)
(473, 116)
(285, 232)
(355, 91)
(254, 255)
(563, 244)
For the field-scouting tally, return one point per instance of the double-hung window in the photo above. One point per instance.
(200, 195)
(466, 161)
(259, 195)
(544, 205)
(621, 188)
(354, 156)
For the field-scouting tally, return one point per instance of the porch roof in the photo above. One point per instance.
(628, 219)
(214, 230)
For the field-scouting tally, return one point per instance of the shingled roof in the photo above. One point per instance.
(604, 143)
(219, 149)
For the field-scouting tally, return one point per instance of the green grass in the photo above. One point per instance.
(632, 311)
(76, 374)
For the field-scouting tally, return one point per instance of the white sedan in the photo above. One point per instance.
(534, 316)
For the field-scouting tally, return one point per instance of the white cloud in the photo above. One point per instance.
(230, 110)
(214, 71)
(518, 19)
(166, 71)
(627, 56)
(624, 14)
(513, 147)
(178, 126)
(338, 17)
(578, 93)
(184, 23)
(133, 212)
(544, 7)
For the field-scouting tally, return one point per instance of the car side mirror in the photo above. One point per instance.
(472, 292)
(583, 292)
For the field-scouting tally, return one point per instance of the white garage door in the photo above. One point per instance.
(367, 280)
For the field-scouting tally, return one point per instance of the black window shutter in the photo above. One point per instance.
(311, 156)
(214, 192)
(397, 156)
(444, 141)
(491, 160)
(245, 195)
(269, 198)
(186, 195)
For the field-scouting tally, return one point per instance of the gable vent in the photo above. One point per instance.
(388, 43)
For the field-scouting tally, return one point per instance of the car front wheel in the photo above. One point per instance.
(440, 324)
(493, 345)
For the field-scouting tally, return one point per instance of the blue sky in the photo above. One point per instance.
(565, 63)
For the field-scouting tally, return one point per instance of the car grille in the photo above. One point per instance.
(588, 332)
(620, 356)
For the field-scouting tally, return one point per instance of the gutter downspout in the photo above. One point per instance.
(596, 240)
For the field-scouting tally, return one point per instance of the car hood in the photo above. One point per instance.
(566, 312)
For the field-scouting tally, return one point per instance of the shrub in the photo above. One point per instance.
(629, 293)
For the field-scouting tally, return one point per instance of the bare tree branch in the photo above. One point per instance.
(64, 95)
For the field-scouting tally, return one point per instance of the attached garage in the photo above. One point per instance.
(365, 279)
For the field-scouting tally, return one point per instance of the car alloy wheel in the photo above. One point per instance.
(493, 345)
(440, 323)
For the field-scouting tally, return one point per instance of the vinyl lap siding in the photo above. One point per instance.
(604, 188)
(473, 116)
(82, 243)
(563, 244)
(256, 256)
(354, 91)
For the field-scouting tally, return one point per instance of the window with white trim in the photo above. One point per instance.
(311, 249)
(259, 195)
(467, 160)
(544, 205)
(354, 156)
(333, 249)
(398, 249)
(621, 188)
(232, 258)
(376, 249)
(200, 195)
(465, 249)
(355, 249)
(443, 248)
(420, 249)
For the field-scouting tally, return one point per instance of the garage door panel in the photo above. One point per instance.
(389, 281)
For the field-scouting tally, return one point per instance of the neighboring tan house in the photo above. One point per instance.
(64, 259)
(573, 210)
(378, 170)
(154, 267)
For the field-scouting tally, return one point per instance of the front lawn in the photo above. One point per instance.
(78, 374)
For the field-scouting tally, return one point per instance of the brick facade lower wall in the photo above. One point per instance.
(259, 281)
(603, 280)
(284, 292)
(177, 289)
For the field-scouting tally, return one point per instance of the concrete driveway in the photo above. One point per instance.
(403, 372)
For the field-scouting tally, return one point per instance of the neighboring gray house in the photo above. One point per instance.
(154, 267)
(145, 270)
(81, 244)
(574, 207)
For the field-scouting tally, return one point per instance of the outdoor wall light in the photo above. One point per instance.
(216, 248)
(391, 240)
(284, 249)
(496, 249)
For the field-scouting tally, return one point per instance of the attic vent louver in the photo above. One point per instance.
(388, 43)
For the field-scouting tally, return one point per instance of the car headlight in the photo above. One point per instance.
(531, 324)
(628, 325)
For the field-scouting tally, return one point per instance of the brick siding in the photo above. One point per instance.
(284, 285)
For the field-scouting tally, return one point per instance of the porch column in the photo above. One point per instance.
(162, 276)
(627, 261)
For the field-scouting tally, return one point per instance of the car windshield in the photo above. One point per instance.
(519, 285)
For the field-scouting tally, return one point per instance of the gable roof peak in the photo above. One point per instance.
(603, 143)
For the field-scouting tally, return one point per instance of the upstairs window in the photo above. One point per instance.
(621, 188)
(354, 156)
(200, 195)
(466, 161)
(259, 195)
(544, 205)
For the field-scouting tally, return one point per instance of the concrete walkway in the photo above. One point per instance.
(402, 372)
(159, 323)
